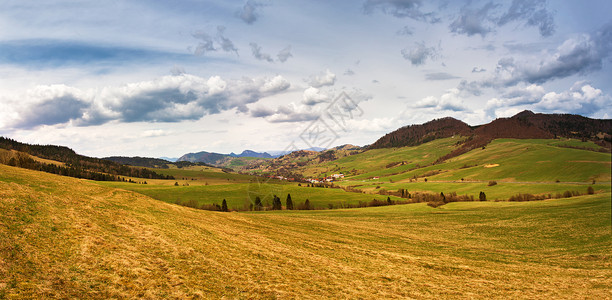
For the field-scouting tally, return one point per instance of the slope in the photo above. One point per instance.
(66, 238)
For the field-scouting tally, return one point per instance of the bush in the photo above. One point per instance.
(482, 196)
(590, 190)
(492, 183)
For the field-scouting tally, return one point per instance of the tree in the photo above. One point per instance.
(276, 203)
(443, 197)
(482, 196)
(224, 206)
(175, 183)
(307, 204)
(389, 201)
(258, 204)
(590, 190)
(289, 202)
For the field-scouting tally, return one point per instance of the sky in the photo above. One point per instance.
(164, 78)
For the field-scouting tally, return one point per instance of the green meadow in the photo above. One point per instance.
(62, 237)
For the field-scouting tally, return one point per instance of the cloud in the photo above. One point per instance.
(155, 133)
(226, 44)
(207, 42)
(578, 55)
(419, 54)
(326, 79)
(581, 98)
(401, 9)
(405, 31)
(52, 53)
(478, 70)
(533, 13)
(284, 54)
(248, 14)
(473, 21)
(439, 76)
(313, 96)
(286, 114)
(167, 99)
(449, 101)
(256, 50)
(349, 72)
(57, 104)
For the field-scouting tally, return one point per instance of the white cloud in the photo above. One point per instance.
(313, 96)
(166, 99)
(449, 101)
(324, 79)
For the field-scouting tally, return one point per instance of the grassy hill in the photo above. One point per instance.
(62, 237)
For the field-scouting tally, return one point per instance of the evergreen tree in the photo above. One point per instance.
(307, 204)
(389, 201)
(289, 202)
(224, 206)
(482, 196)
(276, 203)
(258, 204)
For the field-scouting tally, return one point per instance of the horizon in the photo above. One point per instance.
(162, 80)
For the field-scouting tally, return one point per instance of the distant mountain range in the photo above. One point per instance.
(217, 158)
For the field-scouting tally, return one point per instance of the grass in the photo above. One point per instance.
(239, 196)
(67, 238)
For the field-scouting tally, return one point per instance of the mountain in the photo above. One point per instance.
(524, 125)
(64, 161)
(250, 153)
(414, 135)
(203, 156)
(146, 162)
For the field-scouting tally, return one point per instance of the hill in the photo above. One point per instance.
(67, 238)
(524, 125)
(64, 161)
(147, 162)
(250, 153)
(203, 156)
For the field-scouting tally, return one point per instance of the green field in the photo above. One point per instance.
(62, 237)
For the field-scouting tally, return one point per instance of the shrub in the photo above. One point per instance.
(590, 190)
(258, 205)
(224, 206)
(482, 196)
(289, 202)
(492, 183)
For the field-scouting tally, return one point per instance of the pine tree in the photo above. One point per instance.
(276, 203)
(307, 204)
(224, 206)
(289, 202)
(482, 196)
(258, 204)
(389, 201)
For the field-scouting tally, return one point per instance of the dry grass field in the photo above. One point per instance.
(67, 238)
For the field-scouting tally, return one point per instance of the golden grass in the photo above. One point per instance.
(67, 238)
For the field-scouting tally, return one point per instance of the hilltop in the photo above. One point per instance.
(524, 125)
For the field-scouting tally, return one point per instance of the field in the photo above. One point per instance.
(69, 238)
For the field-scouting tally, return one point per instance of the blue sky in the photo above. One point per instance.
(160, 78)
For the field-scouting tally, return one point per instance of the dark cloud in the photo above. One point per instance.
(226, 44)
(576, 56)
(248, 13)
(533, 13)
(54, 110)
(473, 21)
(401, 9)
(419, 54)
(168, 99)
(207, 42)
(205, 45)
(43, 53)
(256, 50)
(478, 70)
(439, 76)
(261, 112)
(284, 54)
